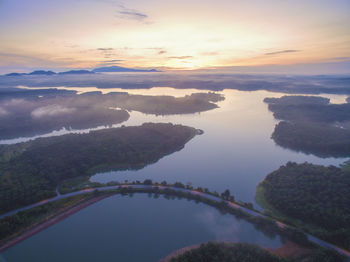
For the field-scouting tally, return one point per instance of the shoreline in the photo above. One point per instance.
(159, 189)
(289, 249)
(179, 252)
(36, 228)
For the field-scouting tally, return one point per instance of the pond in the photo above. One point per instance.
(137, 228)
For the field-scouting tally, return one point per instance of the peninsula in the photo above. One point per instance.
(312, 197)
(31, 171)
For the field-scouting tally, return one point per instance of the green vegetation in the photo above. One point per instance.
(31, 171)
(315, 195)
(311, 125)
(12, 226)
(316, 138)
(166, 105)
(243, 252)
(308, 108)
(226, 252)
(16, 224)
(76, 184)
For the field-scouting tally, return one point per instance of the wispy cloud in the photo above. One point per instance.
(282, 52)
(131, 14)
(107, 52)
(113, 61)
(180, 57)
(343, 58)
(105, 49)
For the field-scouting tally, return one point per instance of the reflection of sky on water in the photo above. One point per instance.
(235, 151)
(134, 229)
(224, 228)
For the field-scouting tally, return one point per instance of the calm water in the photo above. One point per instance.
(235, 152)
(135, 229)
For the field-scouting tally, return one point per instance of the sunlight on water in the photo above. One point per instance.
(235, 151)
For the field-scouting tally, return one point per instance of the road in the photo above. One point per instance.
(193, 192)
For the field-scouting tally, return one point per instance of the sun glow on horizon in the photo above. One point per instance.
(164, 34)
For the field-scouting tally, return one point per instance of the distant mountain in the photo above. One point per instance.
(16, 74)
(50, 73)
(121, 69)
(42, 72)
(84, 72)
(37, 72)
(76, 72)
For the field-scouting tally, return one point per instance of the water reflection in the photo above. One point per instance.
(134, 229)
(235, 152)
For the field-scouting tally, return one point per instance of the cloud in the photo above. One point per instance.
(105, 49)
(162, 52)
(3, 112)
(180, 57)
(51, 110)
(131, 14)
(339, 59)
(283, 52)
(224, 228)
(113, 61)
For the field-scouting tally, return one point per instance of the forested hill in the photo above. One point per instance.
(31, 171)
(315, 195)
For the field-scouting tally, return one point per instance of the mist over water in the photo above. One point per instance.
(235, 152)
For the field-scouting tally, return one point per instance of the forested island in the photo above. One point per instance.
(31, 171)
(34, 112)
(311, 125)
(312, 197)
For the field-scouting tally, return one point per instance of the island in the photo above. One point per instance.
(31, 171)
(41, 111)
(312, 197)
(311, 125)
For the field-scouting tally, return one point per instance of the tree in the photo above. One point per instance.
(226, 194)
(148, 182)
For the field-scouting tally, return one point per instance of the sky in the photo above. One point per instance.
(182, 34)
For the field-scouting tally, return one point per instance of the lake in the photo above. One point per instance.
(235, 152)
(133, 229)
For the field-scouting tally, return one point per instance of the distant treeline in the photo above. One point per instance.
(312, 125)
(316, 195)
(213, 81)
(31, 171)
